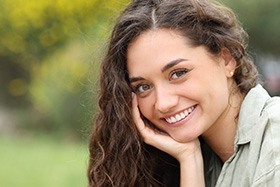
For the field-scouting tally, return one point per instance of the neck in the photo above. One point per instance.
(220, 136)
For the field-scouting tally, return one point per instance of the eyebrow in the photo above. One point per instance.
(172, 63)
(135, 79)
(165, 68)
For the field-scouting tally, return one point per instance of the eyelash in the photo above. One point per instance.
(181, 72)
(136, 89)
(146, 87)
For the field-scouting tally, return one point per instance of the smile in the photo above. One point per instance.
(180, 116)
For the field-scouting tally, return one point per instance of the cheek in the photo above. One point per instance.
(145, 108)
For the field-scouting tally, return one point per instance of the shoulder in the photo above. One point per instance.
(271, 118)
(268, 167)
(272, 109)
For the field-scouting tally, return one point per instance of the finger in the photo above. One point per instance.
(146, 132)
(157, 139)
(136, 114)
(150, 136)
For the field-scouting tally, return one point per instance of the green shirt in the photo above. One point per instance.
(256, 161)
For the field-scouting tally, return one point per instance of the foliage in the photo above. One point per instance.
(50, 53)
(49, 56)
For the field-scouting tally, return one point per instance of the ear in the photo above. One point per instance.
(229, 62)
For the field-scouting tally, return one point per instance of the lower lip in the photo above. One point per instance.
(182, 122)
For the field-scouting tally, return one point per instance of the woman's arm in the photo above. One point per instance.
(188, 154)
(192, 173)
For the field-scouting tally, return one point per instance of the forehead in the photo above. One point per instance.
(157, 35)
(153, 50)
(155, 46)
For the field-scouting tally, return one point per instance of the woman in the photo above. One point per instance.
(197, 116)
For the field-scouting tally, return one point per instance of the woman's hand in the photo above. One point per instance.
(163, 141)
(188, 154)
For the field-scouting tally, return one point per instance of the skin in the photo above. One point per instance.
(188, 154)
(171, 77)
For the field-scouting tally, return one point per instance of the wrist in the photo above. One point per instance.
(189, 155)
(192, 171)
(189, 158)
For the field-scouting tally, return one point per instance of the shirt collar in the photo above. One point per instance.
(250, 111)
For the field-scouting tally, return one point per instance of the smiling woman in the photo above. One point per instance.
(196, 114)
(169, 83)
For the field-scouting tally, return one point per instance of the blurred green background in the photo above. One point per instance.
(50, 53)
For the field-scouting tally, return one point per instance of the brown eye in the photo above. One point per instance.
(177, 74)
(141, 88)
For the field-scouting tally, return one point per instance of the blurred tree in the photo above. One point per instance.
(45, 52)
(48, 48)
(33, 30)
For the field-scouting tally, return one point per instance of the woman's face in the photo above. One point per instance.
(181, 89)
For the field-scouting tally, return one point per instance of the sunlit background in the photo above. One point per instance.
(50, 52)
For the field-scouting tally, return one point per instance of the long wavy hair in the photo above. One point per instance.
(118, 156)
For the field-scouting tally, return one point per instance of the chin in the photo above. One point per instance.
(184, 139)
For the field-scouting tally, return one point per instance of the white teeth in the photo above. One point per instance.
(183, 115)
(173, 119)
(179, 117)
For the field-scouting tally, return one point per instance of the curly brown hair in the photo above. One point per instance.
(118, 156)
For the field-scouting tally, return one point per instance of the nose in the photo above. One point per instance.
(166, 100)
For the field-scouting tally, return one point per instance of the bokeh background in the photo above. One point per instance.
(50, 52)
